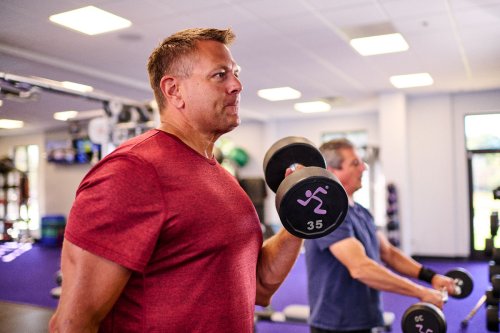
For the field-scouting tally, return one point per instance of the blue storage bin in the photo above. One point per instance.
(53, 230)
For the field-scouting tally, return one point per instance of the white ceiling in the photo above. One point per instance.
(297, 43)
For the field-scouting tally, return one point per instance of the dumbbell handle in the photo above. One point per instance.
(458, 291)
(444, 295)
(474, 310)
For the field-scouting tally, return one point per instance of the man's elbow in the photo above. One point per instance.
(358, 272)
(265, 294)
(263, 300)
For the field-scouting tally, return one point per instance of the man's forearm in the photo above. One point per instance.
(402, 263)
(378, 277)
(277, 257)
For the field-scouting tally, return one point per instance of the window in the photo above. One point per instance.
(26, 159)
(482, 138)
(359, 139)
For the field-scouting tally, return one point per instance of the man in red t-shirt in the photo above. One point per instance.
(160, 237)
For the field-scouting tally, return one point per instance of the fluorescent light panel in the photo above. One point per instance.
(312, 107)
(65, 115)
(389, 43)
(411, 80)
(76, 86)
(11, 124)
(90, 20)
(279, 94)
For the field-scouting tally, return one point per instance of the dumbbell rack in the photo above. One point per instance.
(491, 298)
(392, 213)
(489, 243)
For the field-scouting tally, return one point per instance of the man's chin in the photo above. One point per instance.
(232, 125)
(235, 124)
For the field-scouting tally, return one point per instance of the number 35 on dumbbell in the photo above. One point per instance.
(311, 202)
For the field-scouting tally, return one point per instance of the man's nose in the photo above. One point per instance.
(236, 86)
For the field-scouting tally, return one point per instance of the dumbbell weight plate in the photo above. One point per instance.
(495, 254)
(495, 284)
(493, 269)
(491, 297)
(311, 202)
(58, 277)
(423, 317)
(492, 318)
(464, 281)
(488, 247)
(286, 152)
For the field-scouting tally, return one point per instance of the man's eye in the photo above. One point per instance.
(221, 74)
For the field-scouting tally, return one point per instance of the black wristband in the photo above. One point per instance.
(426, 274)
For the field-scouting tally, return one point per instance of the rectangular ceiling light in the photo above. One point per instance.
(389, 43)
(312, 107)
(411, 80)
(279, 94)
(65, 115)
(11, 124)
(90, 20)
(76, 86)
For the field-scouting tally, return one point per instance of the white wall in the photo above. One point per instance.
(433, 227)
(393, 126)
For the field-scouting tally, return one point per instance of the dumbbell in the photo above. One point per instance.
(494, 224)
(494, 268)
(493, 292)
(426, 317)
(488, 247)
(58, 277)
(492, 320)
(490, 297)
(492, 300)
(392, 225)
(311, 202)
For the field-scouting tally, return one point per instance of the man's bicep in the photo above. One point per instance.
(349, 251)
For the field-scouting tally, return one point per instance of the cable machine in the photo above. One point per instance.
(122, 117)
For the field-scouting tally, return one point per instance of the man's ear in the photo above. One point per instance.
(170, 88)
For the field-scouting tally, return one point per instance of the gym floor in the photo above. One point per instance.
(16, 317)
(26, 304)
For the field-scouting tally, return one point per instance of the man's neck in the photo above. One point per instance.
(203, 145)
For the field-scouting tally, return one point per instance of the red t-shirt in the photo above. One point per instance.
(185, 228)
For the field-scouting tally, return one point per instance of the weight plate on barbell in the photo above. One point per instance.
(286, 152)
(463, 280)
(423, 317)
(492, 318)
(311, 202)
